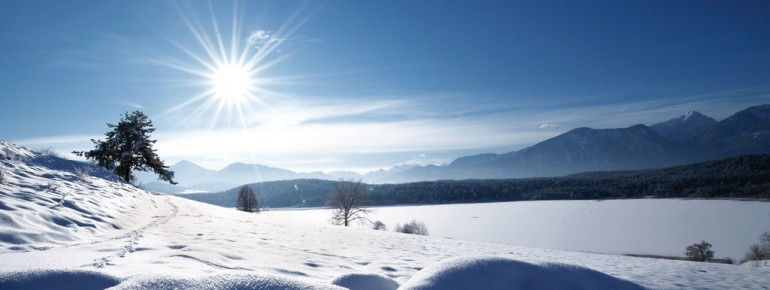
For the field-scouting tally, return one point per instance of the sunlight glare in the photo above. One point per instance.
(231, 83)
(232, 69)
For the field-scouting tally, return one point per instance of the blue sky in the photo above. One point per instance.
(359, 85)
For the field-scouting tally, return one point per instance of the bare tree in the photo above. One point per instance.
(247, 200)
(699, 251)
(347, 199)
(755, 253)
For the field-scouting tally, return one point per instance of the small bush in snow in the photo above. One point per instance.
(761, 251)
(2, 174)
(52, 186)
(82, 172)
(700, 252)
(414, 227)
(379, 225)
(55, 187)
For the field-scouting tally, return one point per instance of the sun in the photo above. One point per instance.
(234, 71)
(232, 83)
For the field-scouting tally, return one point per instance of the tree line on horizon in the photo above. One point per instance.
(738, 177)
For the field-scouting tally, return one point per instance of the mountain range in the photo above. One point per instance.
(692, 137)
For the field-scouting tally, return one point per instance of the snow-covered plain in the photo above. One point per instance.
(109, 234)
(638, 226)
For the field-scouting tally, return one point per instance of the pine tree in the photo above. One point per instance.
(128, 147)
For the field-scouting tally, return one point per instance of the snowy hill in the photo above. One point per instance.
(46, 201)
(105, 233)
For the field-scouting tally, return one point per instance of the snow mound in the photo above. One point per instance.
(502, 273)
(63, 280)
(360, 281)
(86, 280)
(757, 264)
(222, 281)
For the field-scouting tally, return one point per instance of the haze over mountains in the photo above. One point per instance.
(692, 137)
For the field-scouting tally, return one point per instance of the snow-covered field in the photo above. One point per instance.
(642, 226)
(107, 233)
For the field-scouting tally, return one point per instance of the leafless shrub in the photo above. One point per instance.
(761, 251)
(379, 225)
(52, 186)
(2, 174)
(414, 227)
(82, 172)
(55, 187)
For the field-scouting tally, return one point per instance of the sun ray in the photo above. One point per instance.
(189, 102)
(234, 68)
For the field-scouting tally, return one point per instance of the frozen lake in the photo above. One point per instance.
(642, 226)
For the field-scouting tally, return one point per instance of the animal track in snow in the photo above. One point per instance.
(132, 238)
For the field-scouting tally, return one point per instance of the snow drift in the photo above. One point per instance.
(501, 273)
(362, 281)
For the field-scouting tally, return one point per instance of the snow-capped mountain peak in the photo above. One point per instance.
(685, 127)
(689, 114)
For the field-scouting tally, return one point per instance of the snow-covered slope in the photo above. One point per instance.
(129, 239)
(46, 201)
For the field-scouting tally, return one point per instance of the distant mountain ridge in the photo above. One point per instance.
(192, 177)
(692, 137)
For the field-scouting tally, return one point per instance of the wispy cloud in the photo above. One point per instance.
(132, 104)
(425, 159)
(548, 125)
(261, 38)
